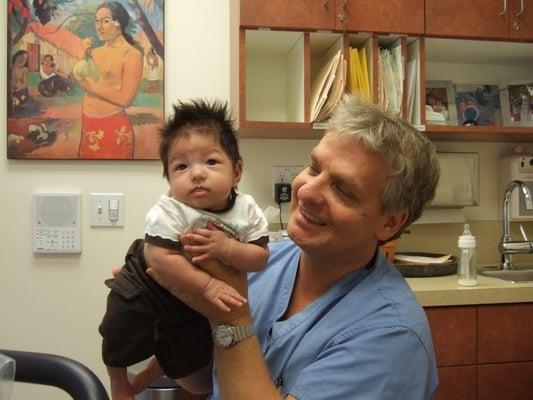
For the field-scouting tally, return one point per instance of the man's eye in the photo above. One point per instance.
(344, 192)
(312, 170)
(211, 161)
(180, 167)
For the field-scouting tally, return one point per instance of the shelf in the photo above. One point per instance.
(279, 130)
(305, 130)
(479, 133)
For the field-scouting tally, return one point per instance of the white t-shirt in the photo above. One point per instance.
(169, 218)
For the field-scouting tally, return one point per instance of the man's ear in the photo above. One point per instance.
(237, 173)
(391, 224)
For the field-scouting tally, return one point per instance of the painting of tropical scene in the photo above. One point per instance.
(85, 79)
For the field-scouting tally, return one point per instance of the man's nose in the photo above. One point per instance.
(312, 190)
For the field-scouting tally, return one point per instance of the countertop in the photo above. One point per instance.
(444, 291)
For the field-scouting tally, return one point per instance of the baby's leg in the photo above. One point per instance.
(121, 388)
(199, 382)
(148, 375)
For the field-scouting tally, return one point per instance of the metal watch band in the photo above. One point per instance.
(243, 332)
(226, 336)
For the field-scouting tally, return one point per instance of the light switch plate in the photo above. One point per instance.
(100, 213)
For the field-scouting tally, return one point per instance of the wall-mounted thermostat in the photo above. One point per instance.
(57, 223)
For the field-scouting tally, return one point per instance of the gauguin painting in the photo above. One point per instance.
(85, 79)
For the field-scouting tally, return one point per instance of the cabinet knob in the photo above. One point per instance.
(342, 17)
(516, 26)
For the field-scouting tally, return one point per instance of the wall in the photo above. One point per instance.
(55, 303)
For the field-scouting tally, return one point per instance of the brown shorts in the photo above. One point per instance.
(142, 319)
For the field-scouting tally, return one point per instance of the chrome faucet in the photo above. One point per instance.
(508, 246)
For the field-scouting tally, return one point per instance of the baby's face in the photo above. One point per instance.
(201, 174)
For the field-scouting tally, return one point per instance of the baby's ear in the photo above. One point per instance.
(237, 173)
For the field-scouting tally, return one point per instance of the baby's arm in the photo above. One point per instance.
(182, 274)
(210, 242)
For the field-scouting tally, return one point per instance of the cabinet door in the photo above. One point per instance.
(288, 14)
(454, 334)
(510, 381)
(521, 15)
(505, 333)
(457, 383)
(390, 16)
(470, 18)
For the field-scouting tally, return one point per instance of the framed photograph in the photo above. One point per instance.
(440, 103)
(478, 105)
(517, 102)
(85, 79)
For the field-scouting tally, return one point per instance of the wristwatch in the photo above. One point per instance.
(226, 335)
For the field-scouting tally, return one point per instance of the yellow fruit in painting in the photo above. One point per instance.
(86, 68)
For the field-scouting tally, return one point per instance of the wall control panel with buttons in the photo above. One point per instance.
(57, 223)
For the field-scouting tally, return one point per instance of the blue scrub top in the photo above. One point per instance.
(365, 338)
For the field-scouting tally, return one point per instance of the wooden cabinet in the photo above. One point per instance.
(457, 383)
(387, 16)
(281, 44)
(488, 19)
(521, 19)
(509, 381)
(483, 352)
(454, 334)
(288, 14)
(505, 333)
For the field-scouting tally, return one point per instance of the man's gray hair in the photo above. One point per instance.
(410, 155)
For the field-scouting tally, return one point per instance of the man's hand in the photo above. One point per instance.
(206, 243)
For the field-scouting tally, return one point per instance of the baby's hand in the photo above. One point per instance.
(206, 243)
(222, 295)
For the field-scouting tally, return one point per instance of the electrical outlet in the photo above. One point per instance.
(282, 176)
(285, 174)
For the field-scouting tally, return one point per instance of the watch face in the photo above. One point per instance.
(224, 336)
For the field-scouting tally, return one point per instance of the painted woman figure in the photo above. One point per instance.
(53, 81)
(24, 105)
(110, 76)
(153, 64)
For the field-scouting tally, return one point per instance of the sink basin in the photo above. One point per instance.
(513, 275)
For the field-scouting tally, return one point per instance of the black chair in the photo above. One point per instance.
(61, 372)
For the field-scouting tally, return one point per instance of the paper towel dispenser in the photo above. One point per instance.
(459, 180)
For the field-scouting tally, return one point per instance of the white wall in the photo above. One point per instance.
(55, 303)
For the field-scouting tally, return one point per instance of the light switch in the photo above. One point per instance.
(107, 209)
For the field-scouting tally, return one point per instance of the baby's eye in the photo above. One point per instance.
(211, 161)
(180, 167)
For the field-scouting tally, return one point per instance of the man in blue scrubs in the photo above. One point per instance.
(331, 318)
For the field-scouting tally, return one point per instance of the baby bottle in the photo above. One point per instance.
(466, 270)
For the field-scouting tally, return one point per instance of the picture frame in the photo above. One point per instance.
(440, 103)
(516, 98)
(63, 99)
(478, 104)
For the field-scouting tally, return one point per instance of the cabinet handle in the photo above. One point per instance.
(504, 8)
(325, 4)
(345, 2)
(521, 9)
(342, 17)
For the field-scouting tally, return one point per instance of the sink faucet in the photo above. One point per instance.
(508, 246)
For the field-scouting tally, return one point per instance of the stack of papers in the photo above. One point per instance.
(391, 77)
(359, 82)
(328, 87)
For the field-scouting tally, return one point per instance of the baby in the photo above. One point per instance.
(202, 164)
